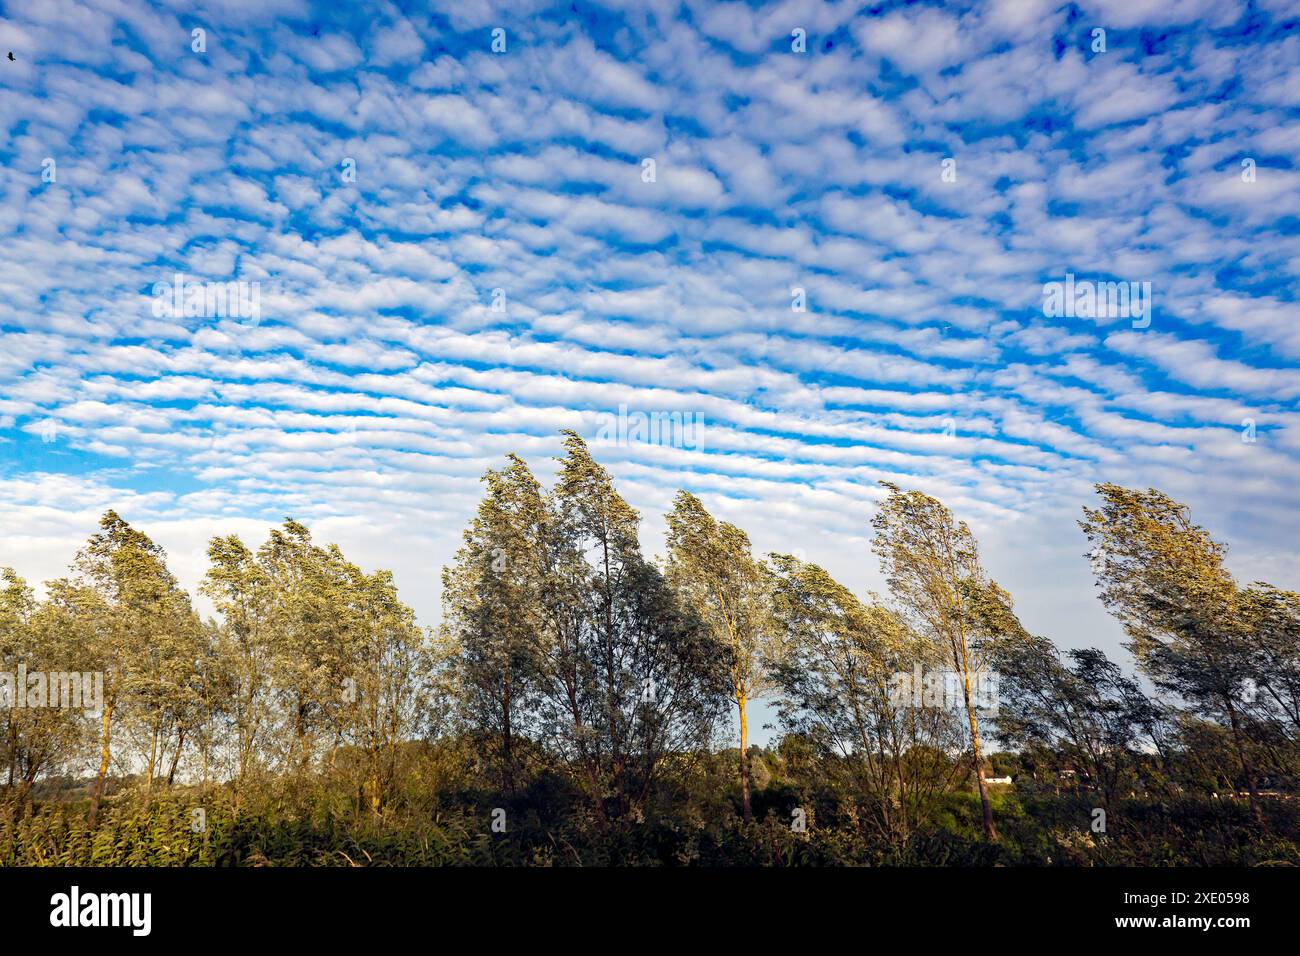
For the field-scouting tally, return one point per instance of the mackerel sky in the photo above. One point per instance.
(379, 381)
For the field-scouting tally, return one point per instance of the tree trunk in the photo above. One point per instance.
(104, 756)
(1247, 765)
(580, 735)
(24, 794)
(376, 797)
(153, 761)
(744, 758)
(990, 831)
(507, 743)
(176, 757)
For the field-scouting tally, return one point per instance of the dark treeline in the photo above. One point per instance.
(584, 703)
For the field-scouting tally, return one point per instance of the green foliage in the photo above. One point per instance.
(569, 711)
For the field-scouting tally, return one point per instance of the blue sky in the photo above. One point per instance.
(378, 381)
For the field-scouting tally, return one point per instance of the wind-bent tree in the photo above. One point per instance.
(168, 692)
(142, 629)
(840, 690)
(492, 609)
(36, 740)
(314, 629)
(1272, 619)
(712, 568)
(931, 563)
(239, 587)
(387, 702)
(207, 720)
(1163, 577)
(645, 677)
(1086, 713)
(312, 653)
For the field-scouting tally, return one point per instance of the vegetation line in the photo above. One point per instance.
(574, 706)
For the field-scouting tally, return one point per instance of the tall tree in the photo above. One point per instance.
(314, 628)
(1086, 712)
(36, 740)
(839, 681)
(143, 628)
(492, 609)
(393, 667)
(312, 652)
(712, 568)
(1164, 579)
(240, 588)
(931, 562)
(632, 679)
(1272, 619)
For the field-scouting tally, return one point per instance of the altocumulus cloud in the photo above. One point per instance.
(822, 227)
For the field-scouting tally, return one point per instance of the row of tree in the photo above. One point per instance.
(311, 658)
(564, 650)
